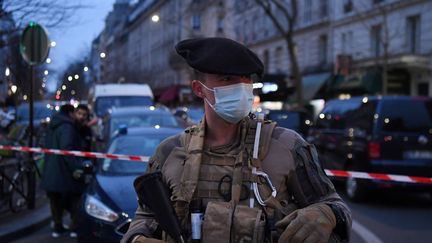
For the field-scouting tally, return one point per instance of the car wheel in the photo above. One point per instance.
(355, 189)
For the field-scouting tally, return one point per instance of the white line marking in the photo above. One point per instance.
(367, 235)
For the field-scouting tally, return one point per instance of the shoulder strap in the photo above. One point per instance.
(267, 128)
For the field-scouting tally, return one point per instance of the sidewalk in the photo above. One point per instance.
(15, 225)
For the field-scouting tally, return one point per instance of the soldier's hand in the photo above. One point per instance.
(143, 239)
(311, 224)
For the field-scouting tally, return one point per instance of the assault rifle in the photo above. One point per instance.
(153, 193)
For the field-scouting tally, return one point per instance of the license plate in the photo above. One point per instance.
(418, 155)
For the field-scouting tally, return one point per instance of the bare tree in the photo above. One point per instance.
(49, 13)
(286, 28)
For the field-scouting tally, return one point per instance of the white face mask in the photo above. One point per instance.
(232, 102)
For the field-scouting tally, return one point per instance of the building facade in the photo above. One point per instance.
(342, 46)
(355, 40)
(140, 49)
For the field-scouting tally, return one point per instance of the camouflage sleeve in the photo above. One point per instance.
(144, 223)
(310, 184)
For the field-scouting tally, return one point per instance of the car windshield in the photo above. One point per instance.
(105, 103)
(406, 116)
(145, 120)
(144, 145)
(353, 113)
(39, 112)
(286, 119)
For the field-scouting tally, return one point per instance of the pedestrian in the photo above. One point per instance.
(61, 176)
(84, 131)
(253, 186)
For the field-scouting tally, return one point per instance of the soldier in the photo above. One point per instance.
(254, 181)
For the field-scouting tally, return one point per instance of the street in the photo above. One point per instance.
(390, 217)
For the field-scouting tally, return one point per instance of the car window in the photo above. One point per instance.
(132, 145)
(341, 114)
(105, 103)
(286, 119)
(406, 116)
(148, 120)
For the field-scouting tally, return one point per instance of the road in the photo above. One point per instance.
(389, 217)
(393, 217)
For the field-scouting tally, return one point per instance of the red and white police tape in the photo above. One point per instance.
(332, 173)
(77, 153)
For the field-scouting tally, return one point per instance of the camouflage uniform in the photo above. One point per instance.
(290, 162)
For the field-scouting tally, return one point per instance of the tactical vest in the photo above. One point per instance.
(207, 173)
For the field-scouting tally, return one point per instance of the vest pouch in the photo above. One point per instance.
(217, 222)
(248, 225)
(222, 221)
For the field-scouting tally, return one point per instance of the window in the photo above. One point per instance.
(278, 59)
(348, 6)
(308, 11)
(376, 41)
(342, 114)
(406, 115)
(196, 22)
(344, 43)
(423, 89)
(324, 8)
(413, 34)
(220, 25)
(323, 49)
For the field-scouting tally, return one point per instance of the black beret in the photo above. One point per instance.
(219, 56)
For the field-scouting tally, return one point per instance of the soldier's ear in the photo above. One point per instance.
(197, 88)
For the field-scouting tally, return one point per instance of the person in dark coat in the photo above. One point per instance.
(84, 131)
(61, 174)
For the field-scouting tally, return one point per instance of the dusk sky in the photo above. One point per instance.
(73, 42)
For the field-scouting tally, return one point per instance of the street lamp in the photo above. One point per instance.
(86, 69)
(63, 87)
(155, 18)
(46, 72)
(48, 60)
(14, 89)
(53, 43)
(70, 78)
(76, 76)
(7, 72)
(102, 55)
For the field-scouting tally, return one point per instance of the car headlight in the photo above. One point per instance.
(97, 209)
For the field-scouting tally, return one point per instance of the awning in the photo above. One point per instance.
(369, 83)
(312, 84)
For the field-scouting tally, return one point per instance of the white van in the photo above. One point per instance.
(102, 97)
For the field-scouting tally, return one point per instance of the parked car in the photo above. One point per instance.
(188, 116)
(104, 96)
(297, 120)
(390, 134)
(149, 116)
(109, 203)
